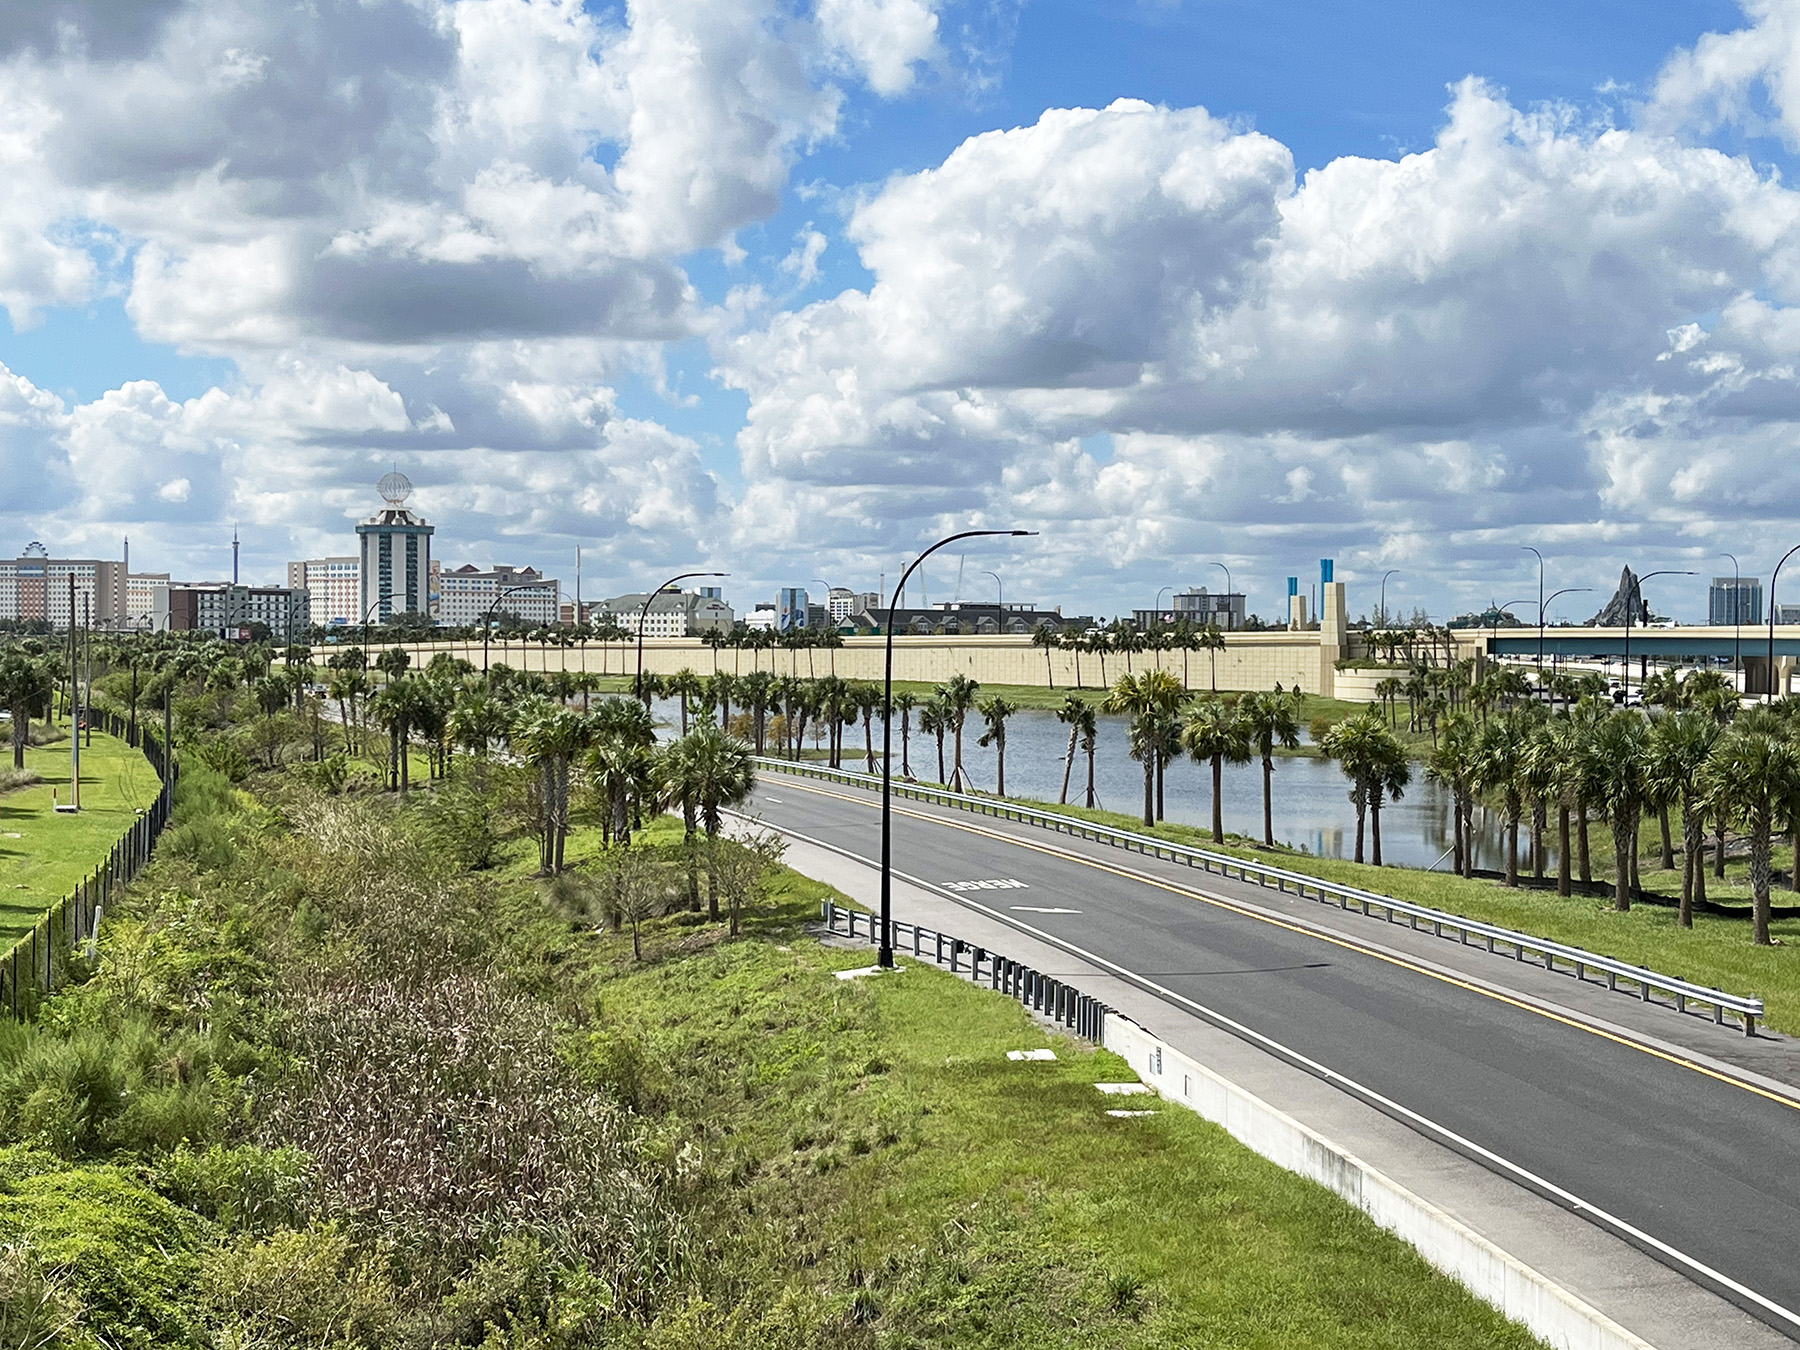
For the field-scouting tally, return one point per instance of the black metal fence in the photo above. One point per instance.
(39, 961)
(1057, 1000)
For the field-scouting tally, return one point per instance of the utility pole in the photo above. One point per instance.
(74, 706)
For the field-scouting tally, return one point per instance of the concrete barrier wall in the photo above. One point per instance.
(1523, 1294)
(1250, 661)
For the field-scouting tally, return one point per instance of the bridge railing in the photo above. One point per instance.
(1589, 967)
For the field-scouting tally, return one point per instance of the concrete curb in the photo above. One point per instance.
(1521, 1293)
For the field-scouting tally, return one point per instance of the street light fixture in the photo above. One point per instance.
(1637, 589)
(1784, 557)
(643, 617)
(884, 950)
(1383, 605)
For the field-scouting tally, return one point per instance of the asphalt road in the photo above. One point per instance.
(1708, 1165)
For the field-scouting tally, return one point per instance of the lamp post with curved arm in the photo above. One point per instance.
(1383, 605)
(1543, 608)
(1229, 591)
(884, 949)
(643, 618)
(487, 618)
(1737, 615)
(1540, 557)
(1784, 557)
(1637, 590)
(1000, 592)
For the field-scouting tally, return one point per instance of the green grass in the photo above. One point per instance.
(896, 1155)
(54, 852)
(1716, 952)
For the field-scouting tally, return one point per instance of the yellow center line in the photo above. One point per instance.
(1348, 944)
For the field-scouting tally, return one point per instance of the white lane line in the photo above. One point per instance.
(1424, 1124)
(1042, 909)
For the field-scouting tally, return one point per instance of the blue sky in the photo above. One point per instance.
(1095, 345)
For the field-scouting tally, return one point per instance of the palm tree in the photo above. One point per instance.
(1617, 751)
(994, 713)
(25, 690)
(1046, 637)
(866, 697)
(1453, 763)
(1074, 643)
(550, 736)
(1144, 699)
(716, 772)
(1498, 769)
(1270, 721)
(722, 688)
(958, 693)
(685, 685)
(1678, 750)
(1078, 715)
(1354, 743)
(934, 719)
(1099, 643)
(1216, 733)
(1753, 776)
(1211, 641)
(904, 703)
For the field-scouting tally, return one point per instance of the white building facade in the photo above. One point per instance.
(334, 585)
(466, 595)
(673, 613)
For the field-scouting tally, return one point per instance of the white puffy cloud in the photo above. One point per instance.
(885, 39)
(1461, 343)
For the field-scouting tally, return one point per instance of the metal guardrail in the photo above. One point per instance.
(38, 960)
(1583, 965)
(1056, 999)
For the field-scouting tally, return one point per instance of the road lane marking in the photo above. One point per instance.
(991, 884)
(1735, 1291)
(1043, 909)
(1336, 940)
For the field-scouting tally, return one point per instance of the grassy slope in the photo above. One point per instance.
(54, 851)
(983, 1202)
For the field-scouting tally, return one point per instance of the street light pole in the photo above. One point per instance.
(1637, 590)
(1543, 608)
(1000, 590)
(1229, 591)
(487, 618)
(1383, 605)
(1784, 557)
(1540, 557)
(1737, 616)
(884, 949)
(643, 617)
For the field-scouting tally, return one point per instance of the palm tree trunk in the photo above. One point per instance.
(1794, 876)
(1090, 778)
(1760, 850)
(1375, 826)
(956, 769)
(1160, 770)
(906, 744)
(940, 748)
(999, 768)
(1512, 844)
(1637, 884)
(1587, 869)
(1456, 835)
(1149, 787)
(1360, 797)
(1218, 806)
(1268, 766)
(1667, 862)
(1622, 852)
(1719, 847)
(1563, 888)
(1068, 768)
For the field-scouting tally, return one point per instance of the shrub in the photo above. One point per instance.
(222, 755)
(206, 843)
(300, 1288)
(11, 779)
(241, 1188)
(125, 1255)
(37, 1312)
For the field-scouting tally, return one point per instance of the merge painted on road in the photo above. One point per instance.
(991, 884)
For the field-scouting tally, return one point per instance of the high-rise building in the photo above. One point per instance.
(393, 557)
(1787, 614)
(140, 597)
(1734, 600)
(466, 595)
(334, 585)
(790, 609)
(36, 586)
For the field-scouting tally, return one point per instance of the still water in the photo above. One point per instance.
(1310, 797)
